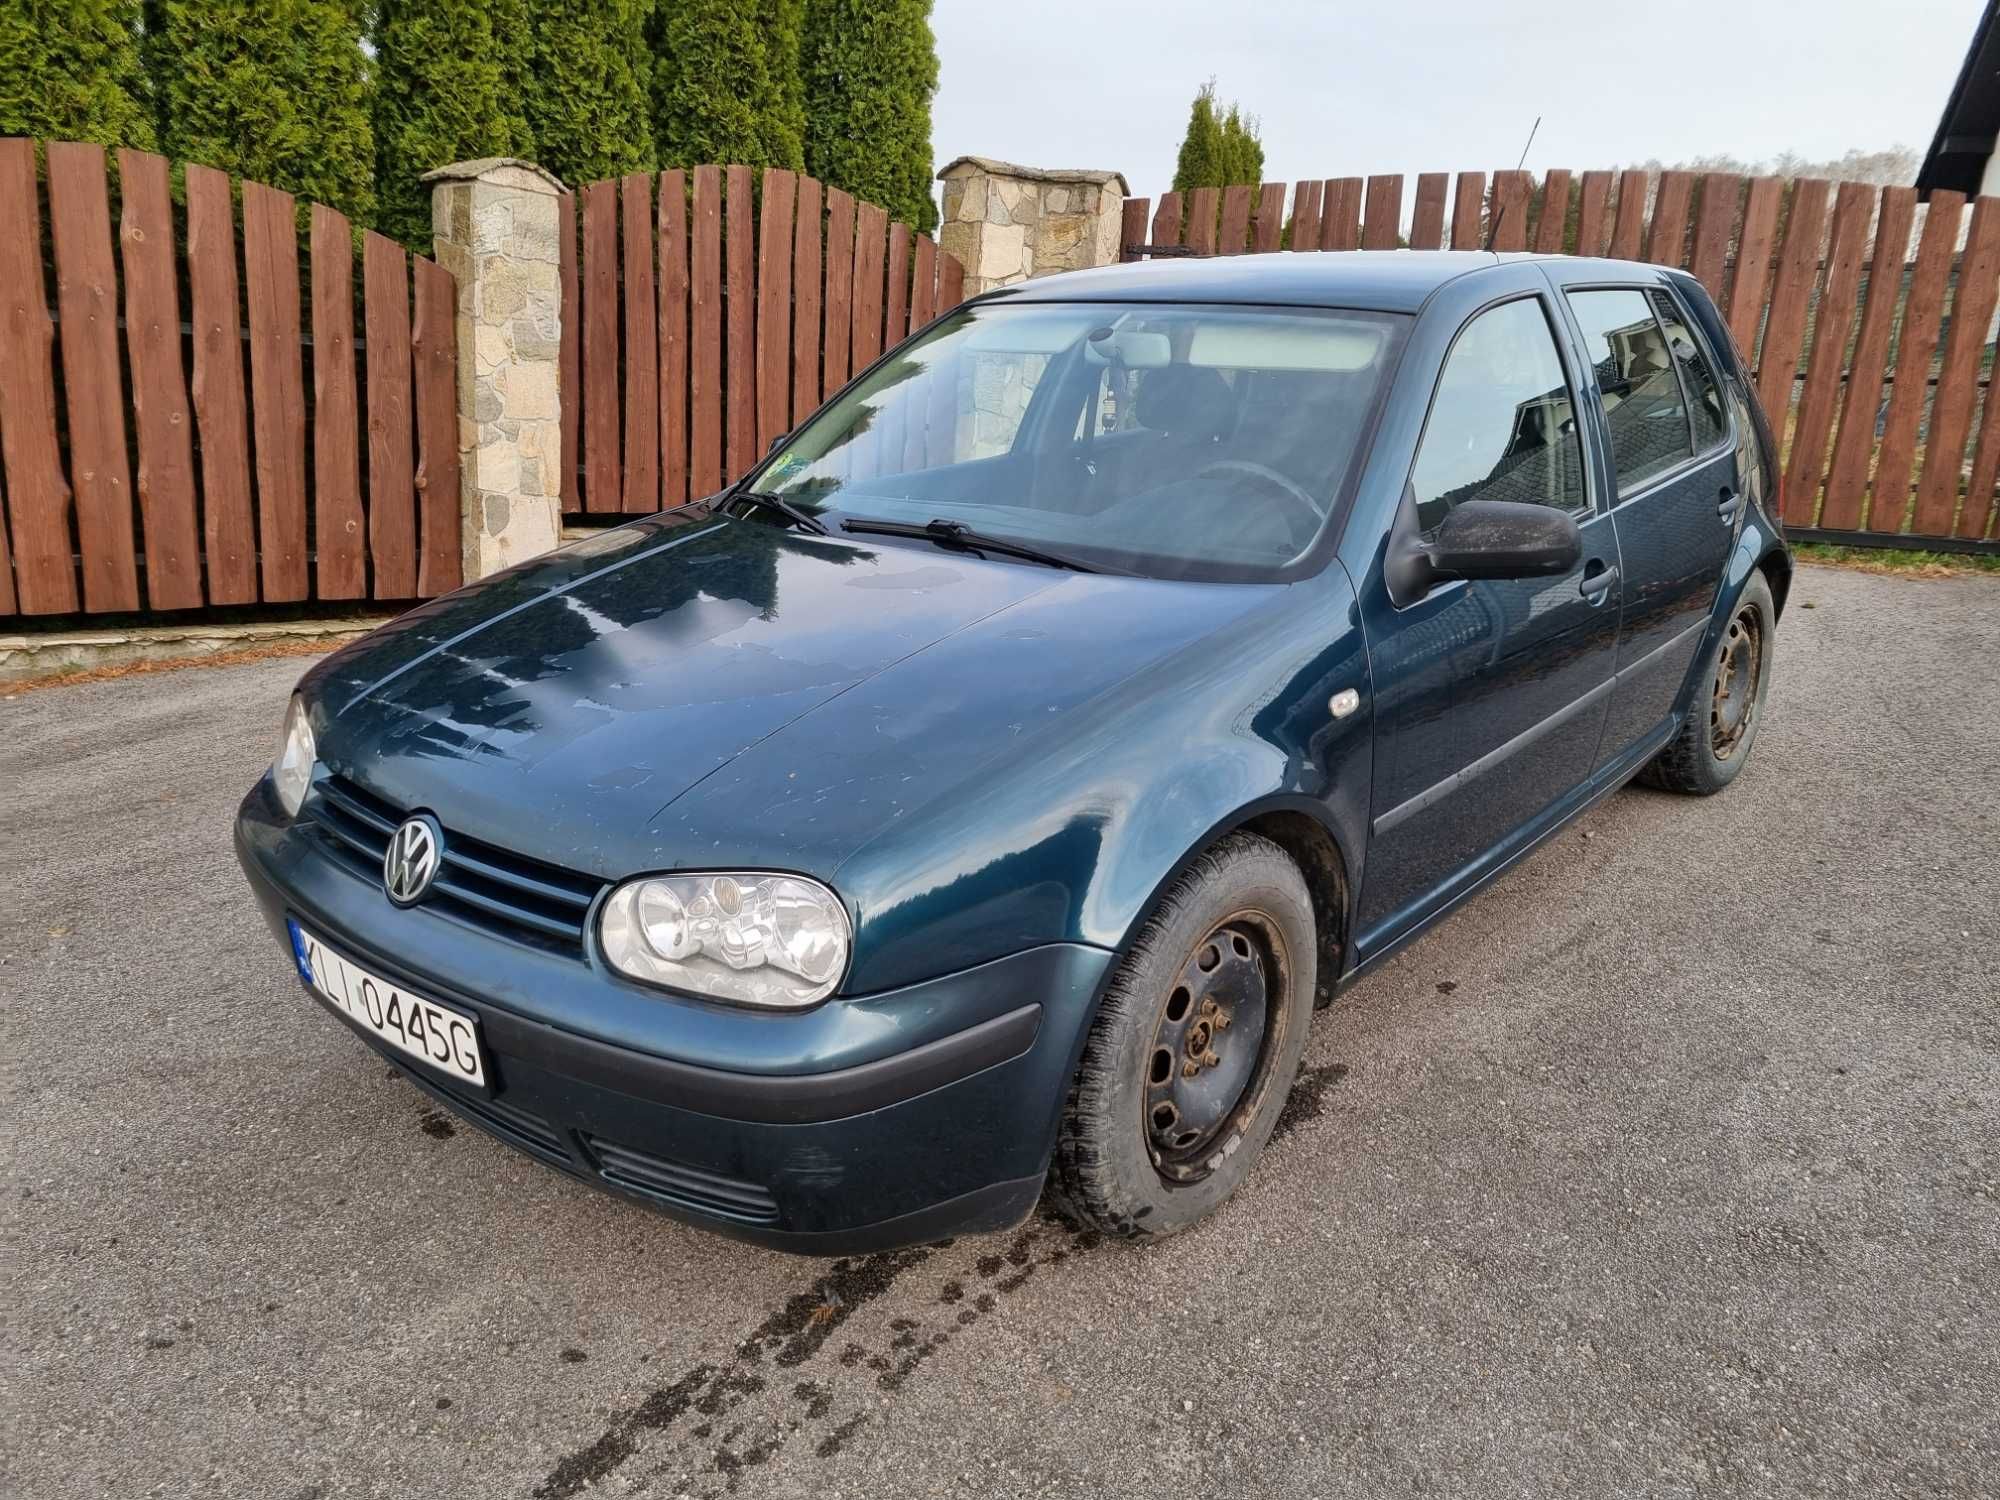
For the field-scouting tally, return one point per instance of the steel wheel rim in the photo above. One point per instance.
(1204, 1068)
(1739, 667)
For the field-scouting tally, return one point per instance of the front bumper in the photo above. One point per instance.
(859, 1125)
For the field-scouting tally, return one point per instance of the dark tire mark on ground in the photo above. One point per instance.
(1307, 1100)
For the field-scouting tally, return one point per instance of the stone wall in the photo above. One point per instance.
(1006, 223)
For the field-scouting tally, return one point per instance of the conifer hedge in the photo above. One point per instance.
(70, 70)
(870, 69)
(590, 73)
(726, 83)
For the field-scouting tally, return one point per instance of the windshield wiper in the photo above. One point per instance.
(958, 534)
(778, 505)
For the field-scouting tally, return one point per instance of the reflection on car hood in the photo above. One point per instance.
(559, 708)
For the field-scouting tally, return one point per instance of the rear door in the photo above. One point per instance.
(1669, 445)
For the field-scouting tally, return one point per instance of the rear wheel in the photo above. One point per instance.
(1194, 1049)
(1727, 706)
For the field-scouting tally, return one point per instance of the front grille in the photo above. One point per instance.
(680, 1184)
(506, 893)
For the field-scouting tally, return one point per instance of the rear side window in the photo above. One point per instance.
(1704, 397)
(1502, 425)
(1643, 408)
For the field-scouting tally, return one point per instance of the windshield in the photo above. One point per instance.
(1174, 442)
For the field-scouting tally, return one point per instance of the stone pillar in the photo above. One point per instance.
(493, 222)
(1006, 223)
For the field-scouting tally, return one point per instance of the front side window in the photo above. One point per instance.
(1170, 441)
(1704, 397)
(1643, 407)
(1502, 425)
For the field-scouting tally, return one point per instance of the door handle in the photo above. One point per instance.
(1730, 505)
(1594, 584)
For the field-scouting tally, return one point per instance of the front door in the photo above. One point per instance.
(1490, 696)
(1679, 496)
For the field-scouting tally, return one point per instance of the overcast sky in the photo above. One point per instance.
(1345, 89)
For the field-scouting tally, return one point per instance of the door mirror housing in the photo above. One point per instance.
(1480, 539)
(1506, 539)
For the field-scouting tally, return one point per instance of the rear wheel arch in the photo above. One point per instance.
(1777, 570)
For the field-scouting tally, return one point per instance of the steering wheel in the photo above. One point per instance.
(1273, 481)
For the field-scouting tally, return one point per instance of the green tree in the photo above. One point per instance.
(726, 84)
(70, 70)
(870, 70)
(442, 94)
(1218, 149)
(275, 90)
(588, 75)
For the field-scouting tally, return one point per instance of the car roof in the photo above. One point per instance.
(1373, 280)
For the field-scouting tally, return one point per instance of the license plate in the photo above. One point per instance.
(436, 1034)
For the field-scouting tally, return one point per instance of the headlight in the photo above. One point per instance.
(292, 771)
(776, 940)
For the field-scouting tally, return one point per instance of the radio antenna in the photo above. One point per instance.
(1500, 217)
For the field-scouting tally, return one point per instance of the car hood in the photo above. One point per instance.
(579, 710)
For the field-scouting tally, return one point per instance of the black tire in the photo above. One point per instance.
(1725, 708)
(1240, 915)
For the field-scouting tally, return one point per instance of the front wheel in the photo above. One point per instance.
(1194, 1049)
(1726, 708)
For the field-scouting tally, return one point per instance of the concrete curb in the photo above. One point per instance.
(25, 656)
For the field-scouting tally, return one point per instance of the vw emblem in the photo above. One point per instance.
(411, 862)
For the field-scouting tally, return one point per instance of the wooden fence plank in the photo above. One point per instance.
(1666, 240)
(923, 282)
(8, 603)
(1753, 264)
(1167, 220)
(93, 389)
(277, 384)
(228, 522)
(1854, 446)
(1235, 219)
(1270, 217)
(1427, 217)
(705, 343)
(775, 234)
(808, 230)
(1132, 228)
(392, 480)
(871, 237)
(1468, 206)
(160, 411)
(1593, 193)
(1916, 344)
(38, 496)
(1552, 224)
(569, 370)
(434, 363)
(340, 541)
(896, 308)
(1791, 297)
(673, 337)
(641, 488)
(739, 248)
(1979, 507)
(1382, 227)
(1715, 222)
(839, 290)
(1511, 194)
(1628, 228)
(601, 478)
(1305, 213)
(1807, 461)
(951, 282)
(1340, 214)
(1203, 206)
(1958, 377)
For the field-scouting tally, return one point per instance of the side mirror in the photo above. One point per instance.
(1506, 539)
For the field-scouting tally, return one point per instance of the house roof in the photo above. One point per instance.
(1966, 133)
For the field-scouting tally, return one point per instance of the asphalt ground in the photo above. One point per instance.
(1669, 1166)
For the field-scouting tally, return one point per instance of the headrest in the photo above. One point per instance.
(1191, 402)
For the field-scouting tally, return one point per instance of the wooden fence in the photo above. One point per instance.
(708, 312)
(1875, 367)
(158, 447)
